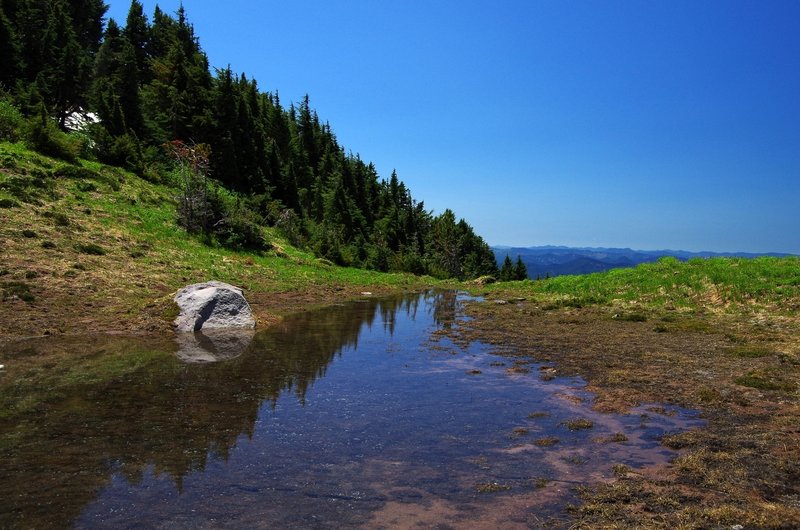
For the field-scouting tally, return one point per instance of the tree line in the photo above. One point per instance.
(149, 83)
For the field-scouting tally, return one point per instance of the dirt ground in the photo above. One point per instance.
(741, 371)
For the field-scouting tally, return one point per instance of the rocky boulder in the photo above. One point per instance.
(212, 305)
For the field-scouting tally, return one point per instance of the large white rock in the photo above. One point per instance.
(212, 305)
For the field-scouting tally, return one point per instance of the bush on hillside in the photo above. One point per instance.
(44, 136)
(11, 122)
(240, 231)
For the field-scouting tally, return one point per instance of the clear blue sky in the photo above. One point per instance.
(644, 124)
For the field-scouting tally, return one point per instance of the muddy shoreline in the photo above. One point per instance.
(740, 371)
(66, 314)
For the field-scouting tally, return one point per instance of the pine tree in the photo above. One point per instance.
(520, 270)
(10, 52)
(444, 246)
(87, 17)
(65, 72)
(177, 102)
(137, 32)
(115, 91)
(31, 20)
(507, 270)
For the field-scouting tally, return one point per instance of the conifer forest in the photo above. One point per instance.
(140, 94)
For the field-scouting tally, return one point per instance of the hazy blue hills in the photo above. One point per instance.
(557, 260)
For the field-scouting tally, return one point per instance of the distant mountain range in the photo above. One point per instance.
(542, 262)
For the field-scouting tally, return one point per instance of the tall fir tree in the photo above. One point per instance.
(115, 91)
(507, 270)
(137, 32)
(520, 270)
(11, 65)
(66, 69)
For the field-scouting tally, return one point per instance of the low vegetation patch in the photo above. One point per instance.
(578, 424)
(92, 249)
(750, 352)
(764, 381)
(547, 441)
(20, 290)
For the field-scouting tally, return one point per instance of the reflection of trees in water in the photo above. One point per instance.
(441, 306)
(445, 305)
(173, 416)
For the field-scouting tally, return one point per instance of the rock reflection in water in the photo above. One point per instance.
(214, 345)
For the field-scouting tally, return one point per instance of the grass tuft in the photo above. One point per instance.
(578, 424)
(92, 249)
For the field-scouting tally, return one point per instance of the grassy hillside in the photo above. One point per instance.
(715, 284)
(92, 247)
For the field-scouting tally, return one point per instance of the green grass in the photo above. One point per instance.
(716, 283)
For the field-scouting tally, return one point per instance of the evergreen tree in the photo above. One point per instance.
(87, 17)
(66, 69)
(177, 102)
(137, 32)
(520, 270)
(444, 246)
(115, 91)
(507, 270)
(31, 20)
(10, 52)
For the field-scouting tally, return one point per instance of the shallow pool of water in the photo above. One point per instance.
(359, 415)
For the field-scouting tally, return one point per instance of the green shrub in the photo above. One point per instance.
(5, 202)
(124, 151)
(86, 186)
(241, 231)
(45, 137)
(11, 122)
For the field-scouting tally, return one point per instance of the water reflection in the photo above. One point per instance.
(214, 345)
(162, 415)
(343, 416)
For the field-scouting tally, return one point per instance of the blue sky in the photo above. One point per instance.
(643, 124)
